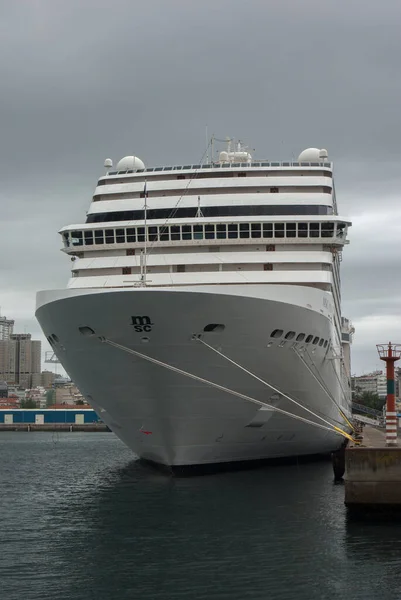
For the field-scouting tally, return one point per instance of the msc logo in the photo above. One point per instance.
(142, 324)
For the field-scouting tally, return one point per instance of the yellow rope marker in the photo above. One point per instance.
(347, 420)
(345, 434)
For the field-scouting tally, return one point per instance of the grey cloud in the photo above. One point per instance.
(86, 79)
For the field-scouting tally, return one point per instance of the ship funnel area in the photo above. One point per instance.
(239, 155)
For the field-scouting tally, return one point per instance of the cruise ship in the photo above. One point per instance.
(202, 319)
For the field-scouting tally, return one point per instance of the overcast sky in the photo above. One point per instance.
(83, 80)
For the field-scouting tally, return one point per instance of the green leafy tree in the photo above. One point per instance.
(369, 399)
(50, 397)
(79, 403)
(28, 403)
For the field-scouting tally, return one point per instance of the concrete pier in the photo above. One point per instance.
(373, 473)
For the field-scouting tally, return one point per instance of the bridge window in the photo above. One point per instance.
(314, 229)
(268, 230)
(279, 230)
(140, 234)
(291, 229)
(209, 232)
(256, 230)
(244, 230)
(198, 232)
(99, 236)
(303, 230)
(131, 235)
(120, 236)
(233, 231)
(327, 229)
(153, 234)
(76, 238)
(221, 231)
(109, 236)
(175, 232)
(186, 232)
(88, 238)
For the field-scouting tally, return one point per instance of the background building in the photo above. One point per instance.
(6, 328)
(375, 383)
(20, 359)
(3, 389)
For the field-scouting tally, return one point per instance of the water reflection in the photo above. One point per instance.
(88, 522)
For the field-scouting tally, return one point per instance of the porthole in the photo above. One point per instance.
(309, 339)
(315, 341)
(321, 342)
(325, 343)
(290, 335)
(300, 337)
(277, 333)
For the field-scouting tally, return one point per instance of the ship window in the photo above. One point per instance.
(314, 229)
(66, 239)
(214, 327)
(76, 238)
(198, 232)
(321, 342)
(175, 232)
(232, 231)
(268, 267)
(327, 229)
(267, 230)
(109, 236)
(279, 230)
(315, 341)
(99, 236)
(244, 230)
(325, 343)
(120, 236)
(186, 232)
(164, 234)
(158, 168)
(180, 268)
(277, 333)
(291, 230)
(126, 270)
(241, 174)
(290, 335)
(221, 232)
(131, 237)
(152, 232)
(274, 190)
(88, 238)
(209, 231)
(141, 234)
(180, 176)
(303, 230)
(130, 251)
(270, 248)
(300, 337)
(256, 230)
(309, 339)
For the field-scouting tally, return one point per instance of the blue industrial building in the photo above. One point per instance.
(44, 416)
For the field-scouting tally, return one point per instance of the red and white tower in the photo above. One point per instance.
(390, 353)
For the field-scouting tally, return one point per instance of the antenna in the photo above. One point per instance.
(199, 212)
(145, 251)
(207, 146)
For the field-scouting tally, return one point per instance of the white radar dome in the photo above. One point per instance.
(312, 155)
(129, 163)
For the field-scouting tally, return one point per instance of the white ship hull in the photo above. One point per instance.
(168, 418)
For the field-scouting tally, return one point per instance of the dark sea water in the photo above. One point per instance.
(81, 519)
